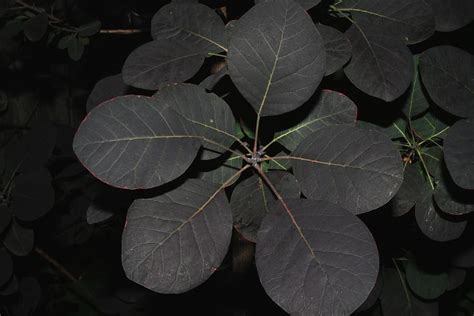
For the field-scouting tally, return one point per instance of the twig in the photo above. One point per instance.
(56, 264)
(122, 31)
(38, 10)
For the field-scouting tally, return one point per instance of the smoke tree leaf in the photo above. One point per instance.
(459, 153)
(356, 168)
(428, 125)
(411, 20)
(309, 263)
(6, 267)
(33, 196)
(96, 214)
(209, 172)
(19, 240)
(306, 4)
(36, 27)
(452, 15)
(416, 102)
(194, 23)
(406, 197)
(338, 48)
(433, 223)
(331, 108)
(106, 89)
(157, 63)
(89, 29)
(251, 200)
(276, 57)
(447, 74)
(75, 48)
(210, 115)
(381, 65)
(175, 241)
(134, 142)
(426, 284)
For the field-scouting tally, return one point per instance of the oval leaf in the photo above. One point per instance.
(416, 102)
(134, 142)
(19, 240)
(338, 48)
(106, 89)
(175, 241)
(452, 15)
(276, 57)
(357, 168)
(36, 27)
(219, 172)
(406, 197)
(459, 153)
(447, 73)
(426, 284)
(310, 262)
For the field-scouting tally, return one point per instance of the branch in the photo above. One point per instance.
(122, 31)
(56, 264)
(37, 10)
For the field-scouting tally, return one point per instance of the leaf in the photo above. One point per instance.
(6, 267)
(338, 48)
(446, 72)
(11, 29)
(374, 295)
(75, 48)
(331, 108)
(397, 299)
(456, 278)
(426, 284)
(433, 223)
(106, 89)
(36, 27)
(459, 153)
(134, 142)
(33, 196)
(433, 157)
(306, 4)
(5, 218)
(193, 23)
(211, 81)
(406, 197)
(381, 65)
(276, 57)
(160, 62)
(410, 20)
(251, 200)
(219, 172)
(210, 115)
(451, 15)
(175, 241)
(19, 240)
(96, 214)
(89, 29)
(356, 168)
(416, 102)
(428, 125)
(311, 261)
(65, 41)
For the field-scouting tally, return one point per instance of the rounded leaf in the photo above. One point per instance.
(175, 241)
(36, 27)
(452, 15)
(359, 169)
(320, 260)
(338, 48)
(19, 240)
(276, 57)
(406, 197)
(135, 142)
(106, 89)
(426, 284)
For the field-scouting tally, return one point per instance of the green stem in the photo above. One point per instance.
(216, 54)
(425, 168)
(433, 136)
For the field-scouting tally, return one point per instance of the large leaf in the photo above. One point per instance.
(6, 267)
(175, 241)
(157, 63)
(33, 196)
(276, 57)
(433, 223)
(134, 142)
(416, 102)
(356, 168)
(191, 22)
(459, 153)
(320, 260)
(19, 240)
(252, 199)
(210, 115)
(106, 89)
(452, 15)
(406, 197)
(447, 73)
(331, 108)
(338, 48)
(219, 172)
(425, 283)
(381, 65)
(411, 20)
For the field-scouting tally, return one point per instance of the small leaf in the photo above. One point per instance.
(416, 102)
(135, 142)
(193, 23)
(338, 48)
(381, 65)
(75, 48)
(428, 125)
(6, 267)
(446, 72)
(33, 196)
(175, 241)
(459, 153)
(331, 108)
(426, 284)
(276, 57)
(106, 89)
(356, 168)
(64, 42)
(406, 197)
(311, 261)
(36, 27)
(433, 223)
(160, 62)
(89, 29)
(252, 199)
(96, 214)
(451, 15)
(19, 240)
(219, 172)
